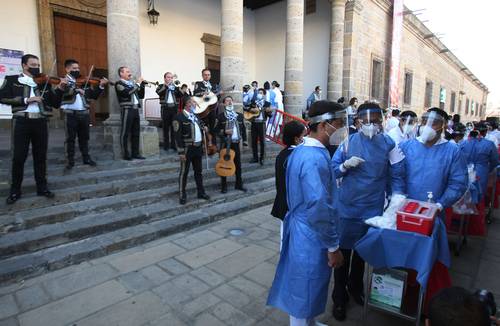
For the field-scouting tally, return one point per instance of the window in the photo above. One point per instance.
(428, 94)
(467, 106)
(376, 87)
(452, 102)
(459, 105)
(442, 97)
(408, 84)
(310, 7)
(477, 109)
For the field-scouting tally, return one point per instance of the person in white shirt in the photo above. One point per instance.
(393, 121)
(189, 134)
(75, 104)
(278, 99)
(31, 101)
(406, 127)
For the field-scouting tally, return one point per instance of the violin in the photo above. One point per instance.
(92, 81)
(43, 78)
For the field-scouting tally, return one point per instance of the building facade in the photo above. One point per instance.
(342, 46)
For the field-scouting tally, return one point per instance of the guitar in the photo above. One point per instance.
(225, 167)
(248, 115)
(204, 103)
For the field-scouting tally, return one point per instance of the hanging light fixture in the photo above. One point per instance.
(152, 13)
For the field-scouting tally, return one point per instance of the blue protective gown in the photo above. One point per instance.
(440, 169)
(300, 286)
(363, 188)
(484, 155)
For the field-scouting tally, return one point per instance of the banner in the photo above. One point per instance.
(10, 64)
(397, 32)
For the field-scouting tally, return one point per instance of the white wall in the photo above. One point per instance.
(270, 36)
(24, 37)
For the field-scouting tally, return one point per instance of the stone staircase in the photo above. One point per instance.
(114, 206)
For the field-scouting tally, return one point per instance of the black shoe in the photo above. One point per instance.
(70, 165)
(46, 193)
(138, 157)
(12, 199)
(223, 190)
(261, 162)
(127, 158)
(254, 161)
(204, 196)
(90, 162)
(241, 188)
(182, 200)
(359, 298)
(339, 312)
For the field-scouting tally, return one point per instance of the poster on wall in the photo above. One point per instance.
(10, 64)
(397, 31)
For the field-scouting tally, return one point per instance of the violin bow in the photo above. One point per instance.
(50, 73)
(88, 77)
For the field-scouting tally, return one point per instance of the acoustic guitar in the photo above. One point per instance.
(225, 167)
(248, 115)
(204, 103)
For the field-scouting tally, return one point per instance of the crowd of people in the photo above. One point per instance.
(344, 172)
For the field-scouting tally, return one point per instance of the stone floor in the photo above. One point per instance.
(206, 276)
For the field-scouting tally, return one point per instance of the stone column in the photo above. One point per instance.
(294, 50)
(122, 19)
(335, 67)
(232, 49)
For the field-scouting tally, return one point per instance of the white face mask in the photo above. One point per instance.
(229, 108)
(427, 133)
(370, 130)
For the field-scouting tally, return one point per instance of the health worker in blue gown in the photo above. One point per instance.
(310, 245)
(482, 153)
(432, 164)
(362, 167)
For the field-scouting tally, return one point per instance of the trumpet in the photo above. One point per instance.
(176, 80)
(150, 83)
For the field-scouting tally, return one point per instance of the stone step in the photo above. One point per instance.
(55, 214)
(111, 188)
(94, 176)
(35, 263)
(48, 235)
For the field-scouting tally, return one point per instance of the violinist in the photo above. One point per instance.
(169, 94)
(75, 103)
(129, 93)
(30, 102)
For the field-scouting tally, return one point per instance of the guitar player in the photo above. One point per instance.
(230, 126)
(201, 88)
(261, 106)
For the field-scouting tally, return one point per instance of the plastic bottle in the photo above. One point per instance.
(430, 197)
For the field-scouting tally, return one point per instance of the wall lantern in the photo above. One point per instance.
(152, 13)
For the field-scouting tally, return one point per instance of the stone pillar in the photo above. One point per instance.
(335, 67)
(294, 50)
(232, 49)
(122, 19)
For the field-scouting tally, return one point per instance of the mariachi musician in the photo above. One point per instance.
(130, 93)
(31, 99)
(260, 108)
(230, 126)
(75, 104)
(201, 88)
(189, 137)
(170, 95)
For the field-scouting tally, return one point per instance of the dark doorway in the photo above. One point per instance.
(214, 67)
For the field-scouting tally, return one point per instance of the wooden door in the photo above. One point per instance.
(214, 67)
(86, 42)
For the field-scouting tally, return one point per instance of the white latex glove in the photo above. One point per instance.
(353, 162)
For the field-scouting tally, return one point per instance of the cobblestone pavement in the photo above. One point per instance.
(206, 276)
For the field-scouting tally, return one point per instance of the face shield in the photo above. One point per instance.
(337, 135)
(371, 122)
(432, 123)
(409, 124)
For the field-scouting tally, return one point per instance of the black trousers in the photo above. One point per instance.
(258, 132)
(167, 116)
(131, 128)
(237, 161)
(77, 125)
(353, 278)
(194, 156)
(24, 132)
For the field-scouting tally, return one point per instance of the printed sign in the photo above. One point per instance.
(10, 64)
